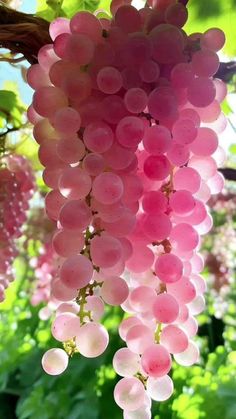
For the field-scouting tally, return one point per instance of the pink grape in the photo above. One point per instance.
(54, 201)
(156, 361)
(154, 202)
(143, 412)
(157, 167)
(184, 237)
(61, 292)
(95, 306)
(67, 308)
(129, 131)
(183, 314)
(126, 324)
(133, 188)
(79, 49)
(174, 339)
(197, 305)
(183, 290)
(86, 23)
(65, 326)
(182, 202)
(176, 14)
(94, 164)
(182, 75)
(142, 298)
(141, 259)
(149, 71)
(92, 339)
(187, 178)
(160, 389)
(206, 142)
(165, 308)
(205, 63)
(36, 77)
(76, 271)
(157, 139)
(55, 361)
(67, 243)
(70, 151)
(213, 39)
(178, 154)
(127, 18)
(109, 80)
(199, 283)
(48, 100)
(98, 137)
(74, 183)
(162, 104)
(114, 290)
(126, 363)
(129, 393)
(184, 131)
(135, 100)
(201, 92)
(123, 226)
(105, 251)
(58, 26)
(157, 228)
(169, 268)
(107, 188)
(189, 357)
(139, 337)
(190, 326)
(168, 43)
(75, 215)
(67, 121)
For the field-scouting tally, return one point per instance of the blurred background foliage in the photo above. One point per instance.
(85, 390)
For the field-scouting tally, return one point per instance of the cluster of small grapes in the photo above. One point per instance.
(126, 113)
(221, 261)
(16, 189)
(45, 268)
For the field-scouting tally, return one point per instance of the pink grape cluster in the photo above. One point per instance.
(127, 115)
(45, 268)
(16, 189)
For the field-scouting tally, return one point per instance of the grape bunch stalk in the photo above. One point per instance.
(126, 112)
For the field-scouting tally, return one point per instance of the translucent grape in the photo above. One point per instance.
(92, 340)
(55, 361)
(126, 363)
(76, 271)
(129, 393)
(160, 389)
(165, 308)
(156, 361)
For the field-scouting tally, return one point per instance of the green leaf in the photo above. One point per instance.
(226, 108)
(232, 149)
(70, 7)
(212, 14)
(8, 101)
(50, 9)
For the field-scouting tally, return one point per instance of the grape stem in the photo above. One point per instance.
(158, 333)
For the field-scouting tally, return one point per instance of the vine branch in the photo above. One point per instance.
(23, 33)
